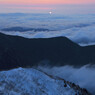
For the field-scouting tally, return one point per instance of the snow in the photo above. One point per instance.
(29, 81)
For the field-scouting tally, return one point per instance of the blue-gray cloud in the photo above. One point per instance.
(84, 76)
(78, 28)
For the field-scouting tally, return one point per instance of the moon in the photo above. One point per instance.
(50, 12)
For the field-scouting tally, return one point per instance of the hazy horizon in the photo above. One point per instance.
(46, 8)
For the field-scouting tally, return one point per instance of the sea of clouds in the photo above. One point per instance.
(83, 76)
(78, 28)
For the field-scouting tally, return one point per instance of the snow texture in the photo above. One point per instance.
(30, 81)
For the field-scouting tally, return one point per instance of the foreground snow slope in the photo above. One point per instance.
(33, 82)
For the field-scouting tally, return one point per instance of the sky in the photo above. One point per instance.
(44, 6)
(47, 1)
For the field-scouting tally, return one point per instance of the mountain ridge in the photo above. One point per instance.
(31, 81)
(17, 51)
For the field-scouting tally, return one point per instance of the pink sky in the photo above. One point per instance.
(47, 1)
(57, 6)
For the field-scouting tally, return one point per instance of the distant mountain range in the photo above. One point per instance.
(21, 52)
(21, 29)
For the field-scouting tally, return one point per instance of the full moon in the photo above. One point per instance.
(50, 12)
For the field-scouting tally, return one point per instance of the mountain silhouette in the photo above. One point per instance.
(17, 51)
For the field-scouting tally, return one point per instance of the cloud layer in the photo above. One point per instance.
(78, 28)
(84, 76)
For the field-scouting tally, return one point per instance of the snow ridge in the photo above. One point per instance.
(29, 81)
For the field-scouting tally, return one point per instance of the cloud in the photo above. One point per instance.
(84, 76)
(78, 28)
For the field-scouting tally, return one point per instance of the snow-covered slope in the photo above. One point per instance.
(30, 81)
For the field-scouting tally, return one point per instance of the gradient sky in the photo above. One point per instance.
(30, 6)
(47, 1)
